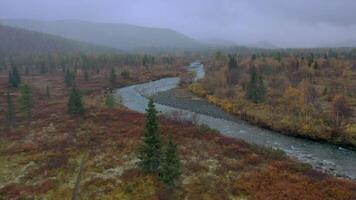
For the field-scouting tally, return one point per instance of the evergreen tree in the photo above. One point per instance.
(261, 89)
(75, 103)
(232, 62)
(256, 90)
(26, 100)
(170, 164)
(113, 77)
(109, 100)
(150, 150)
(10, 116)
(48, 93)
(69, 78)
(252, 86)
(14, 77)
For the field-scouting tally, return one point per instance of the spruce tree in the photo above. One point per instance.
(113, 77)
(69, 78)
(26, 100)
(232, 62)
(75, 102)
(10, 116)
(170, 164)
(256, 90)
(150, 150)
(252, 91)
(14, 77)
(261, 89)
(48, 93)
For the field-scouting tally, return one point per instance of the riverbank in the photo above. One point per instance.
(262, 116)
(43, 158)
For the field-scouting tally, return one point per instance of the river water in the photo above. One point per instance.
(322, 156)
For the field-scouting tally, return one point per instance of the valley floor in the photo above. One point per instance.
(54, 155)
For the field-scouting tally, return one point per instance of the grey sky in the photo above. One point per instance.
(298, 23)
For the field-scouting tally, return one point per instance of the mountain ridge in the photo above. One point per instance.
(115, 35)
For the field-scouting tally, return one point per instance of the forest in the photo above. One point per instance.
(307, 93)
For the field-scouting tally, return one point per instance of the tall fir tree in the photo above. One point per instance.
(69, 78)
(48, 92)
(14, 77)
(170, 168)
(26, 100)
(113, 77)
(256, 90)
(232, 62)
(150, 150)
(10, 115)
(75, 102)
(261, 89)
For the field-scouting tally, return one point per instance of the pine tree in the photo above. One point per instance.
(261, 89)
(252, 86)
(48, 93)
(113, 77)
(150, 150)
(232, 62)
(75, 103)
(170, 164)
(256, 90)
(26, 100)
(10, 116)
(14, 77)
(69, 78)
(109, 100)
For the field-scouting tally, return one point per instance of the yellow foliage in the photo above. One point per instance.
(197, 89)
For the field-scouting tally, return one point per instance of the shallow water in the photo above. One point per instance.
(322, 156)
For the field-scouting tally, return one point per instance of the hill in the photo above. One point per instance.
(119, 36)
(19, 42)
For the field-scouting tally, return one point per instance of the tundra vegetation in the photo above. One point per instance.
(94, 154)
(302, 92)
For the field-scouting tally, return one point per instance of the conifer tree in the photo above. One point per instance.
(113, 77)
(261, 89)
(75, 102)
(170, 168)
(256, 90)
(232, 62)
(48, 93)
(150, 150)
(252, 86)
(14, 77)
(26, 100)
(10, 116)
(69, 78)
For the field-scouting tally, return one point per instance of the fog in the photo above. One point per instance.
(283, 23)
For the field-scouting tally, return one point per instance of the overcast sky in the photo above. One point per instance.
(285, 23)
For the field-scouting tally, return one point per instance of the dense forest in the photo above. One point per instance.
(303, 92)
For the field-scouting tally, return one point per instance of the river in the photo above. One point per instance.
(321, 156)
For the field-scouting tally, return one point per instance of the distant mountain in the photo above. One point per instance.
(120, 36)
(20, 42)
